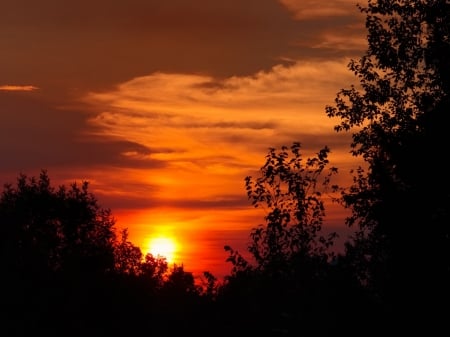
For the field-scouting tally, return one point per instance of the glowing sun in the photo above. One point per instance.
(163, 247)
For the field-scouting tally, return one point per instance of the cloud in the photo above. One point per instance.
(312, 9)
(18, 87)
(92, 45)
(117, 40)
(263, 102)
(330, 29)
(184, 98)
(351, 41)
(218, 129)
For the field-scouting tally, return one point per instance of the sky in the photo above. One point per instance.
(165, 106)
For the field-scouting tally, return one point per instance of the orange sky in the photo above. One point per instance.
(165, 106)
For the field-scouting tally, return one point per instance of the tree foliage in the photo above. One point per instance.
(398, 114)
(290, 189)
(127, 256)
(286, 277)
(65, 271)
(44, 229)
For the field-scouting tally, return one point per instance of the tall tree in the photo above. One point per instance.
(399, 115)
(290, 189)
(286, 279)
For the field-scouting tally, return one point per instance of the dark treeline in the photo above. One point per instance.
(66, 271)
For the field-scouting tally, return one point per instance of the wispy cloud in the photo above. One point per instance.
(218, 129)
(18, 87)
(188, 113)
(342, 42)
(312, 9)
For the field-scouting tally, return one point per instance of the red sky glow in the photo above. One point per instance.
(165, 106)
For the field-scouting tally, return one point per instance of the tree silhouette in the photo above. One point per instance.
(292, 273)
(64, 271)
(399, 115)
(290, 190)
(127, 256)
(47, 230)
(154, 271)
(289, 187)
(57, 246)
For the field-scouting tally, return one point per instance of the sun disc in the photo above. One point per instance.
(163, 247)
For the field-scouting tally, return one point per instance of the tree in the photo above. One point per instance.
(127, 256)
(398, 113)
(57, 247)
(287, 279)
(290, 189)
(210, 286)
(153, 271)
(44, 229)
(180, 282)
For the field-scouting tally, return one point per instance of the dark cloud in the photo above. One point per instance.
(95, 44)
(335, 141)
(34, 135)
(100, 42)
(224, 202)
(252, 125)
(145, 201)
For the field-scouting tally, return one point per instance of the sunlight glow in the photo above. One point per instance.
(163, 247)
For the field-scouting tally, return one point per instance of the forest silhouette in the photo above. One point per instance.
(67, 271)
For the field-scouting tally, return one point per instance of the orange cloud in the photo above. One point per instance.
(208, 134)
(211, 133)
(18, 87)
(186, 112)
(311, 9)
(341, 42)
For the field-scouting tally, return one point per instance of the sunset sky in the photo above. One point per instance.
(165, 106)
